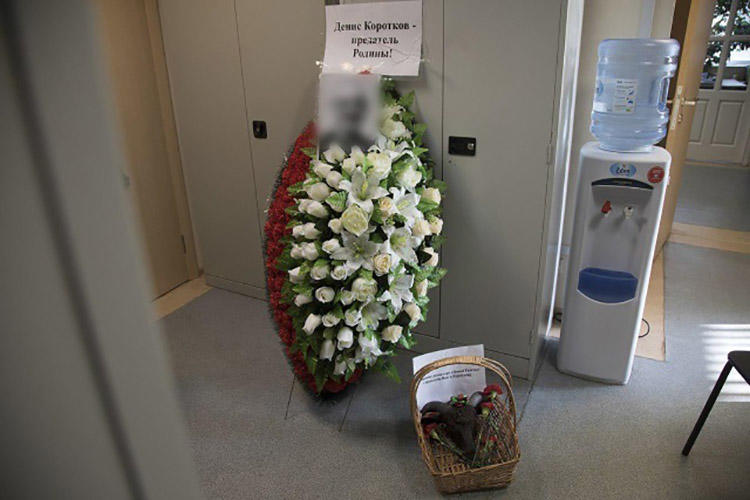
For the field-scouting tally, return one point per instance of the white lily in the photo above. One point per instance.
(405, 204)
(400, 245)
(363, 189)
(372, 313)
(357, 251)
(368, 350)
(399, 291)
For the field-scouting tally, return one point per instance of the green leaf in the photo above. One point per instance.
(296, 188)
(377, 216)
(320, 380)
(437, 240)
(407, 100)
(438, 273)
(440, 185)
(390, 371)
(311, 152)
(407, 341)
(427, 206)
(312, 364)
(337, 200)
(419, 151)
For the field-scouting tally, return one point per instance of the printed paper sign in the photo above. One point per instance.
(441, 384)
(383, 38)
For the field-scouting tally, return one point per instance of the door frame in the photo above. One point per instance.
(57, 78)
(153, 20)
(691, 26)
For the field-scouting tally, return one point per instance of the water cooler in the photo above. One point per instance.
(621, 186)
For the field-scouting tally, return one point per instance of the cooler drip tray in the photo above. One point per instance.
(606, 285)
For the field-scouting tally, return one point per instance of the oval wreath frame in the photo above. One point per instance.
(276, 231)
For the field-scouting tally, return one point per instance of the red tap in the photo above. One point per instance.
(607, 207)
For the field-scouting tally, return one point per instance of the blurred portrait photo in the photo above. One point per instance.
(348, 111)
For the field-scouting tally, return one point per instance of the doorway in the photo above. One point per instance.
(152, 175)
(721, 123)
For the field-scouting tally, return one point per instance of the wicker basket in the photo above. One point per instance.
(450, 473)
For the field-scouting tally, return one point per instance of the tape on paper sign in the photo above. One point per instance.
(383, 38)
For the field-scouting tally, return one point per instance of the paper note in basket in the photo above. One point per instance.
(445, 382)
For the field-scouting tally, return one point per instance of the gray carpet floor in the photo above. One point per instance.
(715, 196)
(256, 434)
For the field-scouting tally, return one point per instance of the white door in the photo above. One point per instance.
(721, 124)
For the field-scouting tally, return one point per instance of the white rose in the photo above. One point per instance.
(431, 194)
(304, 204)
(381, 164)
(421, 288)
(333, 178)
(433, 261)
(339, 368)
(330, 246)
(392, 333)
(388, 111)
(330, 319)
(357, 155)
(317, 209)
(319, 271)
(301, 299)
(414, 312)
(394, 129)
(421, 228)
(309, 251)
(335, 225)
(386, 206)
(298, 231)
(326, 349)
(339, 273)
(409, 177)
(318, 191)
(364, 288)
(310, 231)
(347, 297)
(381, 263)
(345, 338)
(296, 275)
(296, 251)
(324, 294)
(436, 225)
(352, 316)
(349, 165)
(320, 168)
(311, 323)
(334, 154)
(355, 220)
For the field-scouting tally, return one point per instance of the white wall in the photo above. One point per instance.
(604, 19)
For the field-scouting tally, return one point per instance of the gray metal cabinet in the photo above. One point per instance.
(203, 60)
(500, 78)
(490, 70)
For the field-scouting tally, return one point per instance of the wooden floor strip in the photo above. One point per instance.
(173, 300)
(711, 237)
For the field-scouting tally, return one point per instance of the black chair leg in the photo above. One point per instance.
(707, 408)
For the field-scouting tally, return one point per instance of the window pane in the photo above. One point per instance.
(742, 19)
(721, 15)
(735, 70)
(710, 65)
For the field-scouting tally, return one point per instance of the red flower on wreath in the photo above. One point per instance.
(295, 169)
